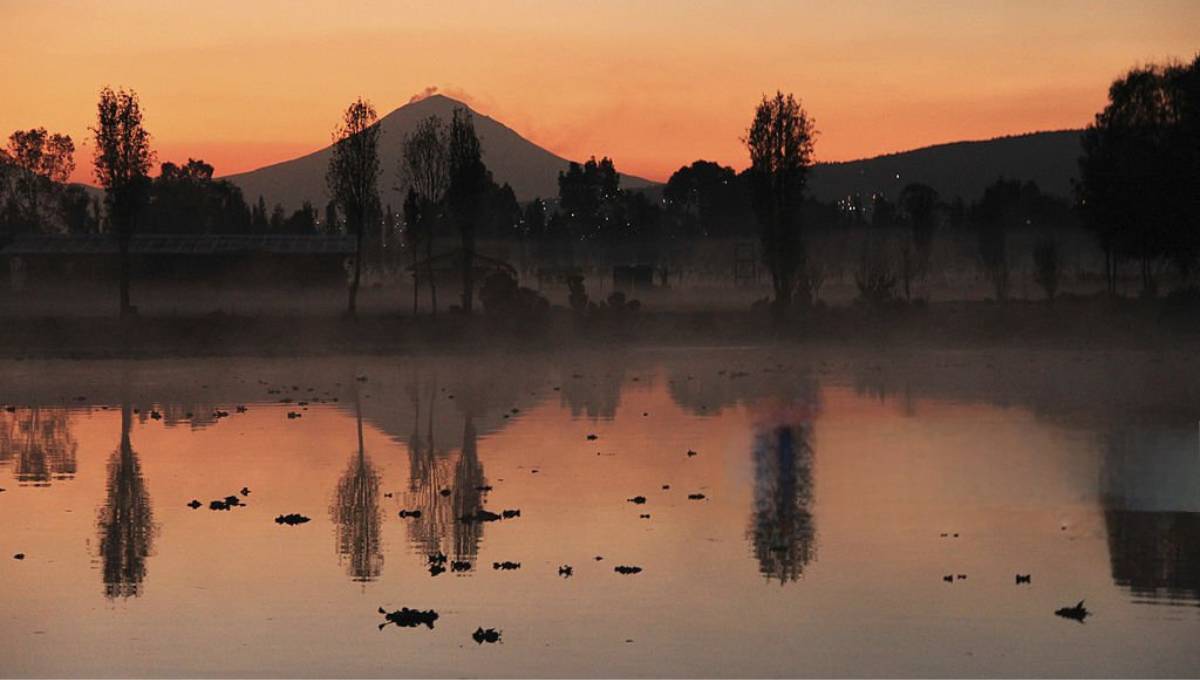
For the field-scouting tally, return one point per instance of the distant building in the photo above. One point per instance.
(242, 259)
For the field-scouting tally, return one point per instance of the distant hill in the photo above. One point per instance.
(957, 169)
(531, 170)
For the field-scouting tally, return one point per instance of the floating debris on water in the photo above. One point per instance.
(291, 519)
(1076, 613)
(408, 618)
(490, 635)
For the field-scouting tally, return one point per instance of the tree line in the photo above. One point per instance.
(1138, 193)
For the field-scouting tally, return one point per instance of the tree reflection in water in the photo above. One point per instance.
(443, 488)
(126, 520)
(355, 514)
(428, 475)
(782, 532)
(39, 444)
(468, 499)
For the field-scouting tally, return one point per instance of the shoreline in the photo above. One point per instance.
(1068, 323)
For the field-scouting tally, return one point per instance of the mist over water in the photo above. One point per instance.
(828, 495)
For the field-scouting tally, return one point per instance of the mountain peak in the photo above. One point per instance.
(529, 169)
(433, 102)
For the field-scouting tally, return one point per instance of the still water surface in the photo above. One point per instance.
(839, 490)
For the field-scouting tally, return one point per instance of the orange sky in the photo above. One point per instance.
(653, 85)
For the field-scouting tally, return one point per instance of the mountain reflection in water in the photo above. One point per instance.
(828, 483)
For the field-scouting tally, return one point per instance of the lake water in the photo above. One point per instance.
(839, 488)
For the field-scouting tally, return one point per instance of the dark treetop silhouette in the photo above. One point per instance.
(122, 160)
(353, 179)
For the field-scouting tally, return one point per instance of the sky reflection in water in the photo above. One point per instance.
(833, 484)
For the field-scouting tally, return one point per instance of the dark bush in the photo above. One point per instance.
(502, 298)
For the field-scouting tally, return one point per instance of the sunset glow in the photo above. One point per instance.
(654, 85)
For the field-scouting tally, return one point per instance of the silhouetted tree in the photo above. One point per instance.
(708, 198)
(185, 199)
(503, 212)
(260, 223)
(126, 520)
(332, 224)
(993, 253)
(388, 231)
(466, 193)
(278, 217)
(122, 163)
(919, 203)
(780, 141)
(41, 164)
(1003, 207)
(302, 221)
(425, 169)
(353, 179)
(875, 276)
(412, 217)
(533, 220)
(586, 196)
(1047, 265)
(80, 214)
(1139, 176)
